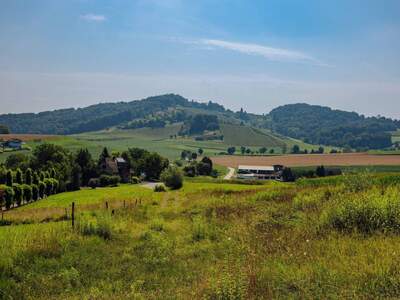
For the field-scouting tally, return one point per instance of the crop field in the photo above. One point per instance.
(351, 159)
(330, 238)
(28, 137)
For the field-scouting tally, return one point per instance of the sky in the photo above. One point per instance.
(256, 54)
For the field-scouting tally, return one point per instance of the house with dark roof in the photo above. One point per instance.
(119, 167)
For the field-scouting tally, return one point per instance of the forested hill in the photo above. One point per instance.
(310, 123)
(323, 125)
(99, 116)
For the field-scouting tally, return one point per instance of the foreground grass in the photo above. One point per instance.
(209, 240)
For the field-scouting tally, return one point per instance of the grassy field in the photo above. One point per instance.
(330, 238)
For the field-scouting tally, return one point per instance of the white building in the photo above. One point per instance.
(260, 172)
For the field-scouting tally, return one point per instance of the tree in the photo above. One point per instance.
(200, 151)
(84, 160)
(248, 151)
(263, 150)
(172, 178)
(190, 170)
(17, 160)
(320, 171)
(153, 165)
(3, 175)
(18, 176)
(321, 150)
(28, 176)
(272, 151)
(103, 156)
(9, 179)
(243, 150)
(18, 194)
(287, 175)
(35, 178)
(35, 192)
(4, 129)
(205, 166)
(75, 178)
(296, 149)
(231, 150)
(194, 156)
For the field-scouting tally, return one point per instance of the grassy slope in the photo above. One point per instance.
(244, 242)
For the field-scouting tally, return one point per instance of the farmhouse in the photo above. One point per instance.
(260, 172)
(117, 166)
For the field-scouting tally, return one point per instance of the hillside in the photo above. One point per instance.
(315, 239)
(323, 125)
(210, 121)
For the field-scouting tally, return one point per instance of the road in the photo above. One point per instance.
(230, 174)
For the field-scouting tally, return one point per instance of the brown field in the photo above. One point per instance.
(27, 137)
(347, 159)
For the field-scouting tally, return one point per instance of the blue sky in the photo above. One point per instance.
(252, 54)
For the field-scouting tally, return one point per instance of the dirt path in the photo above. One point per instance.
(345, 159)
(230, 174)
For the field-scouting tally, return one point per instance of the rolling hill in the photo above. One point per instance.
(171, 116)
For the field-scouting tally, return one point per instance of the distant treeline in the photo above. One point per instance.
(97, 117)
(322, 125)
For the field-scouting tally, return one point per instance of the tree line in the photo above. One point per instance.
(53, 169)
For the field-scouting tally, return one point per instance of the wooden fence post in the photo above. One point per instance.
(106, 205)
(73, 215)
(124, 204)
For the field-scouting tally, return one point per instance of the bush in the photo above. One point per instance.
(135, 180)
(18, 194)
(27, 192)
(7, 197)
(366, 212)
(106, 180)
(42, 189)
(159, 188)
(94, 183)
(35, 192)
(172, 178)
(190, 170)
(49, 186)
(101, 226)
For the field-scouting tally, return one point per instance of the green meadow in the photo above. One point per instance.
(330, 238)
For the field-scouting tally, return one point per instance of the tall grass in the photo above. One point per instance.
(366, 212)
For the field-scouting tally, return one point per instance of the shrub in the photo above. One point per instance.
(94, 183)
(101, 226)
(18, 194)
(190, 170)
(7, 196)
(49, 186)
(35, 192)
(366, 212)
(106, 180)
(135, 180)
(214, 173)
(172, 178)
(18, 176)
(27, 192)
(159, 188)
(42, 189)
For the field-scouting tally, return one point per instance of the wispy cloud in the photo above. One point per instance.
(270, 53)
(93, 18)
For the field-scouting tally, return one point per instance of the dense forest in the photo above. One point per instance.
(322, 125)
(99, 116)
(310, 123)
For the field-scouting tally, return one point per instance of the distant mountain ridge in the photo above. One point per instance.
(310, 123)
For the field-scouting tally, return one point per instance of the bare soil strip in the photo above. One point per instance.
(305, 160)
(27, 137)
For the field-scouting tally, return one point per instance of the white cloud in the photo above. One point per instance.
(93, 18)
(270, 53)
